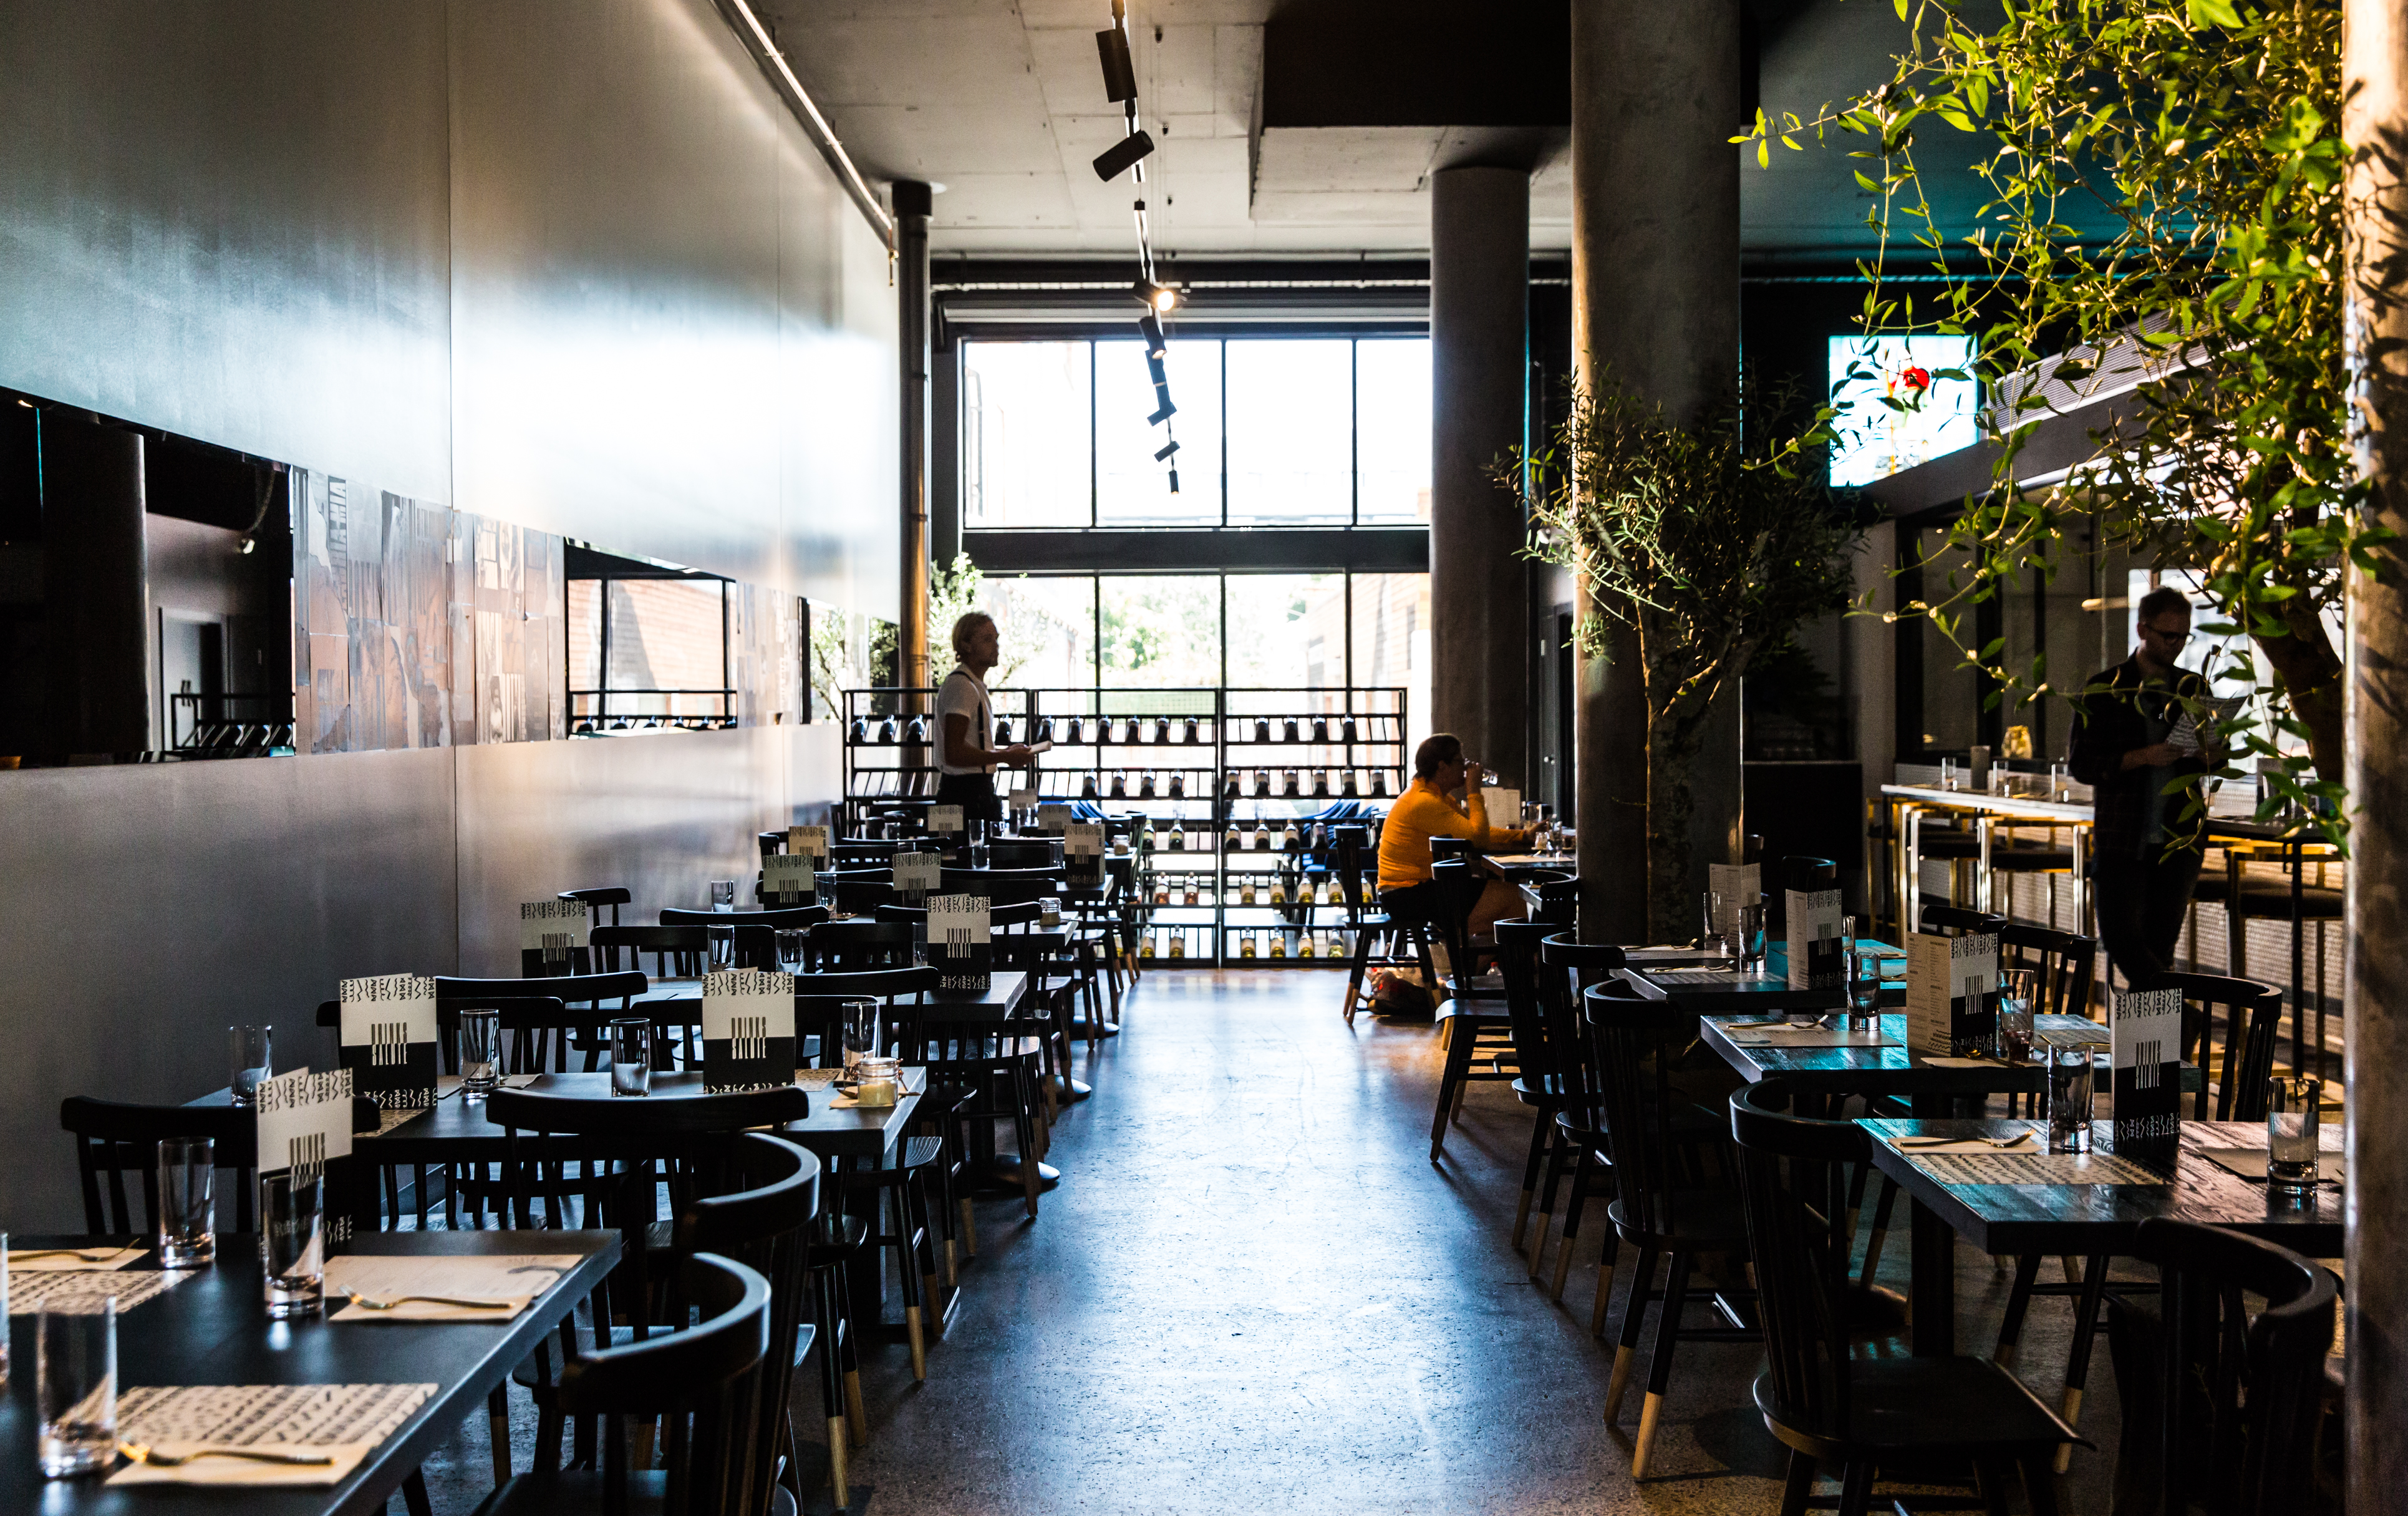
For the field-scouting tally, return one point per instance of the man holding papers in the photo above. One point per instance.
(2147, 857)
(965, 717)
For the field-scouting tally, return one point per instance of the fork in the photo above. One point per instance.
(142, 1452)
(2015, 1141)
(89, 1255)
(371, 1303)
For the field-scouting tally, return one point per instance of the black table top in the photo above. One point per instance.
(1714, 991)
(2089, 1219)
(211, 1329)
(1001, 1000)
(1887, 1069)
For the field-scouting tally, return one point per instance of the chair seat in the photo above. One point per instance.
(1902, 1404)
(1690, 1221)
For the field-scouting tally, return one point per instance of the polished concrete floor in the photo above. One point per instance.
(1253, 1290)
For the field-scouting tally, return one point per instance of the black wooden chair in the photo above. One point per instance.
(114, 1139)
(2065, 963)
(705, 1381)
(612, 895)
(1817, 1395)
(1474, 1021)
(1578, 1159)
(1663, 1206)
(1351, 857)
(850, 946)
(2221, 1406)
(1959, 920)
(678, 952)
(1539, 1084)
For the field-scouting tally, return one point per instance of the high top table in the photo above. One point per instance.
(1908, 803)
(212, 1329)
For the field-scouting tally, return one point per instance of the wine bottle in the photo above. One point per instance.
(1162, 731)
(1179, 839)
(1045, 729)
(1289, 729)
(1145, 785)
(1003, 732)
(860, 730)
(1178, 944)
(917, 732)
(1306, 951)
(1295, 789)
(1278, 944)
(1287, 839)
(1346, 730)
(1178, 785)
(1229, 790)
(1087, 787)
(1120, 784)
(1279, 892)
(1262, 728)
(1321, 784)
(1321, 728)
(1348, 789)
(887, 732)
(1078, 732)
(1145, 948)
(1246, 891)
(1378, 784)
(1232, 842)
(1190, 737)
(1246, 945)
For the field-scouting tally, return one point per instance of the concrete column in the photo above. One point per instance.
(97, 617)
(1654, 309)
(2374, 91)
(1480, 286)
(912, 201)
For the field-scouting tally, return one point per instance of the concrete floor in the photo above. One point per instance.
(1253, 1290)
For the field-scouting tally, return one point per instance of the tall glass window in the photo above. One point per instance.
(1291, 451)
(1160, 629)
(1392, 431)
(1028, 439)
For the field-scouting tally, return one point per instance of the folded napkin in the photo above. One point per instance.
(514, 1278)
(46, 1261)
(248, 1473)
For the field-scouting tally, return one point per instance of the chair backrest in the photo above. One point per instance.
(1348, 850)
(678, 952)
(819, 1001)
(1634, 1046)
(1002, 886)
(1459, 884)
(1024, 853)
(778, 918)
(2067, 964)
(1960, 921)
(857, 890)
(613, 896)
(1517, 965)
(706, 1381)
(113, 1139)
(1793, 1174)
(2238, 1396)
(573, 989)
(852, 945)
(1026, 913)
(2252, 1014)
(575, 1116)
(1567, 969)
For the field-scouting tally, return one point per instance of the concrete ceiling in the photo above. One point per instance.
(1001, 102)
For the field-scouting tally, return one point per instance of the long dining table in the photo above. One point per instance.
(211, 1329)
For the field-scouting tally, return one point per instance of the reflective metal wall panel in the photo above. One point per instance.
(229, 219)
(150, 906)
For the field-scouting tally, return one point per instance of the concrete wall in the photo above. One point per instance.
(563, 264)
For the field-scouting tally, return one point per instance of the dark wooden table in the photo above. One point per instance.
(998, 1002)
(211, 1329)
(1714, 991)
(1899, 1072)
(2085, 1219)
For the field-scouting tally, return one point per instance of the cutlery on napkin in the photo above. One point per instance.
(201, 1463)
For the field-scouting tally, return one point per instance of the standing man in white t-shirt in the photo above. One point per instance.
(966, 718)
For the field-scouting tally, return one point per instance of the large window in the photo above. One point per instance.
(1899, 404)
(649, 652)
(1290, 432)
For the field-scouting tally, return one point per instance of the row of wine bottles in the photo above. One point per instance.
(1196, 890)
(1289, 943)
(1131, 731)
(1323, 784)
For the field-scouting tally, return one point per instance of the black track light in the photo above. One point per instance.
(1150, 327)
(1120, 156)
(1120, 74)
(1174, 480)
(1160, 299)
(1162, 393)
(1154, 364)
(1164, 454)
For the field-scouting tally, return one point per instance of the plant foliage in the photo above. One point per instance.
(2164, 206)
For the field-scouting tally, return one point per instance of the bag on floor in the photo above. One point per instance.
(1400, 992)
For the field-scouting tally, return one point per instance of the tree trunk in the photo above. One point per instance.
(2310, 668)
(1672, 747)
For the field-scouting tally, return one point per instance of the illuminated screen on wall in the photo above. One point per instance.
(1876, 439)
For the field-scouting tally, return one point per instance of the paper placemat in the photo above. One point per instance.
(817, 1078)
(447, 1085)
(341, 1421)
(1941, 1062)
(517, 1278)
(2250, 1163)
(70, 1261)
(2035, 1143)
(2035, 1168)
(81, 1291)
(1784, 1035)
(1723, 978)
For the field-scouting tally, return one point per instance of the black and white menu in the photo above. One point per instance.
(1952, 993)
(1053, 818)
(2144, 1033)
(945, 820)
(305, 1130)
(552, 933)
(787, 879)
(748, 1029)
(1814, 926)
(389, 1038)
(812, 841)
(1083, 855)
(959, 941)
(916, 874)
(1734, 884)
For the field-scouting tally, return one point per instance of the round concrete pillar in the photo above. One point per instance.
(96, 614)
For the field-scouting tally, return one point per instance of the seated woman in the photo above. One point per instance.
(1428, 808)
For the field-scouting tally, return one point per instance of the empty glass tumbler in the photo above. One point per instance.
(1863, 972)
(722, 947)
(188, 1175)
(790, 950)
(1751, 939)
(250, 1059)
(74, 1387)
(292, 1241)
(723, 894)
(2294, 1134)
(2070, 1083)
(480, 1053)
(631, 1056)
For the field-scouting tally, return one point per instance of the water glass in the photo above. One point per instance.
(1864, 980)
(723, 894)
(292, 1241)
(2059, 786)
(1948, 773)
(1048, 913)
(480, 1053)
(188, 1179)
(75, 1388)
(2070, 1079)
(250, 1058)
(862, 1030)
(1751, 939)
(631, 1056)
(2016, 1009)
(2294, 1117)
(721, 941)
(1711, 936)
(790, 950)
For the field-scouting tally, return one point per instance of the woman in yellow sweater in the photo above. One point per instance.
(1428, 809)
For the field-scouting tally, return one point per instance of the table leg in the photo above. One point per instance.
(1934, 1302)
(865, 1278)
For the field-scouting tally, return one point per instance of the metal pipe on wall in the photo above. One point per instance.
(912, 204)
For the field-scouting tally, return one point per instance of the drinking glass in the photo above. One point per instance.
(631, 1056)
(1948, 773)
(2015, 1015)
(292, 1241)
(1049, 912)
(2059, 788)
(722, 946)
(861, 1034)
(790, 950)
(188, 1179)
(1751, 939)
(878, 1081)
(1864, 980)
(2070, 1079)
(1710, 938)
(723, 894)
(75, 1388)
(250, 1057)
(2294, 1115)
(480, 1053)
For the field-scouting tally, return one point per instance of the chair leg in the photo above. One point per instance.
(923, 1227)
(2019, 1300)
(413, 1494)
(1575, 1205)
(1882, 1209)
(1625, 1349)
(906, 1271)
(1990, 1480)
(1024, 1130)
(1857, 1488)
(2039, 1490)
(497, 1425)
(1539, 1131)
(1800, 1486)
(1458, 1063)
(2086, 1329)
(1659, 1363)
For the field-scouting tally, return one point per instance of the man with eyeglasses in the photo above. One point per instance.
(2145, 857)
